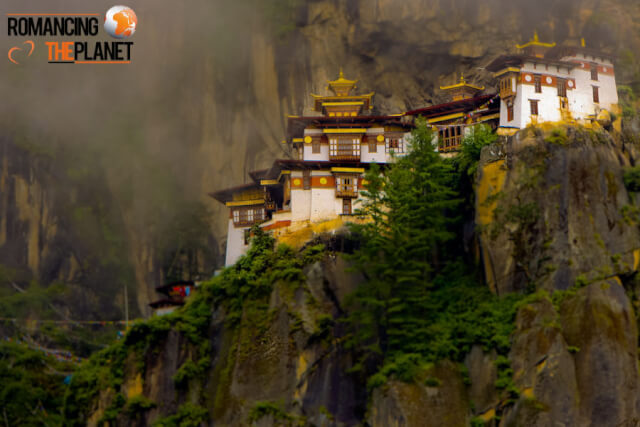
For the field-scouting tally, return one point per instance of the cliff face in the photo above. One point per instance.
(554, 215)
(572, 355)
(176, 126)
(553, 206)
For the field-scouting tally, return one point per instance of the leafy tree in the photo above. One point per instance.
(480, 136)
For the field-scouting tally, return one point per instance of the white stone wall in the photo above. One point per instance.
(580, 98)
(235, 244)
(583, 104)
(324, 204)
(322, 156)
(517, 109)
(378, 157)
(300, 204)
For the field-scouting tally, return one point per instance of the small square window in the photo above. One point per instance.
(315, 147)
(538, 83)
(534, 106)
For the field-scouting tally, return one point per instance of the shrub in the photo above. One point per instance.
(631, 178)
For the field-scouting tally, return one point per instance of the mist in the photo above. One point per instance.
(205, 99)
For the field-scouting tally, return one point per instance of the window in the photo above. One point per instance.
(534, 106)
(394, 144)
(306, 179)
(596, 94)
(594, 72)
(344, 148)
(507, 87)
(538, 83)
(510, 112)
(562, 88)
(373, 144)
(346, 186)
(248, 216)
(315, 146)
(346, 206)
(450, 138)
(247, 236)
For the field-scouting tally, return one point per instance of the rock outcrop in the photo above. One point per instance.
(551, 205)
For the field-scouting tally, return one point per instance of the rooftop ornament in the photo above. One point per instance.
(342, 86)
(535, 41)
(462, 83)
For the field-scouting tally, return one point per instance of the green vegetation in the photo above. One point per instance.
(264, 409)
(628, 101)
(631, 178)
(472, 144)
(558, 136)
(421, 303)
(32, 386)
(188, 415)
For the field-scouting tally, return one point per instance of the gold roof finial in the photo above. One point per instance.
(535, 41)
(463, 83)
(582, 42)
(342, 86)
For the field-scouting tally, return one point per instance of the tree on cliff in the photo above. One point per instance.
(411, 206)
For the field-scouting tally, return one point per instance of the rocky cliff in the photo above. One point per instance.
(278, 355)
(161, 130)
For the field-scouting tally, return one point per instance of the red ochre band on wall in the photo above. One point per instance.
(316, 182)
(546, 80)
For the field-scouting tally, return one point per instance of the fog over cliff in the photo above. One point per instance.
(105, 168)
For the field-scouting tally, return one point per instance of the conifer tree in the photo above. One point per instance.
(411, 206)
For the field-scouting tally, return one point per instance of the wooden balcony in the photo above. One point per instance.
(506, 88)
(346, 191)
(344, 158)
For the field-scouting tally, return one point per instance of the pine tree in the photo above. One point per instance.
(411, 206)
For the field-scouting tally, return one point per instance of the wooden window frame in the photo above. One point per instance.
(344, 147)
(562, 87)
(347, 207)
(373, 144)
(537, 83)
(315, 146)
(594, 72)
(247, 216)
(347, 185)
(395, 144)
(534, 106)
(596, 94)
(510, 112)
(450, 137)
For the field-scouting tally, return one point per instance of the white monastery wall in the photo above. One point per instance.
(235, 244)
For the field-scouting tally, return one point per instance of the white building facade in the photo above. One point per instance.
(319, 187)
(546, 83)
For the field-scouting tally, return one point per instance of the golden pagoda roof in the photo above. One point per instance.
(535, 41)
(342, 86)
(462, 83)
